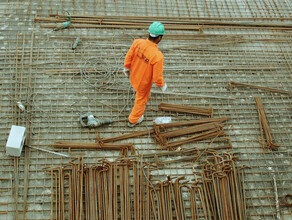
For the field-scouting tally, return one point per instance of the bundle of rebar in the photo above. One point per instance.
(124, 190)
(167, 125)
(169, 198)
(112, 190)
(186, 109)
(85, 21)
(202, 132)
(220, 190)
(264, 127)
(124, 148)
(101, 191)
(187, 130)
(171, 23)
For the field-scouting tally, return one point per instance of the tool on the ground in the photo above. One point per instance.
(64, 24)
(88, 120)
(75, 43)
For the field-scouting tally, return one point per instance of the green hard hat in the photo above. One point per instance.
(156, 29)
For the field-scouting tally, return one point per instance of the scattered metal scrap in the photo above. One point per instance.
(186, 109)
(264, 127)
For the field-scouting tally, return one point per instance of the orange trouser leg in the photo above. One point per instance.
(139, 107)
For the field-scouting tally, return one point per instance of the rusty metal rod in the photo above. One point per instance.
(236, 84)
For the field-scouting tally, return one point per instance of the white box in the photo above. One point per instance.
(15, 140)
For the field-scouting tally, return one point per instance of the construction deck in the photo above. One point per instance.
(210, 49)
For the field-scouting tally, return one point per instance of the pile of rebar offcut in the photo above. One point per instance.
(264, 127)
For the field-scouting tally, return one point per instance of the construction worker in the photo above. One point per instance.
(144, 65)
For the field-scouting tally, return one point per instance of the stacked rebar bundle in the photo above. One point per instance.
(264, 127)
(98, 192)
(169, 198)
(201, 132)
(220, 190)
(186, 109)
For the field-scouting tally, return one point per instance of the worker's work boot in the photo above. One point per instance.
(138, 122)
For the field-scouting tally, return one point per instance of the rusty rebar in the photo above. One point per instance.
(264, 126)
(186, 109)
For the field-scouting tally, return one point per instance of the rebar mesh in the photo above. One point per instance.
(57, 84)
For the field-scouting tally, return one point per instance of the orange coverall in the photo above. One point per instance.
(145, 62)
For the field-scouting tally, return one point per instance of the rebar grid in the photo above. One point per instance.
(39, 69)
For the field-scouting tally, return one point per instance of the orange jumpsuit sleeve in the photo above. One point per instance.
(130, 55)
(157, 73)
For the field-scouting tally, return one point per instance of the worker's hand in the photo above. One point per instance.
(163, 88)
(127, 72)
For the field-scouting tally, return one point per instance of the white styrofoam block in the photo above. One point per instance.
(15, 140)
